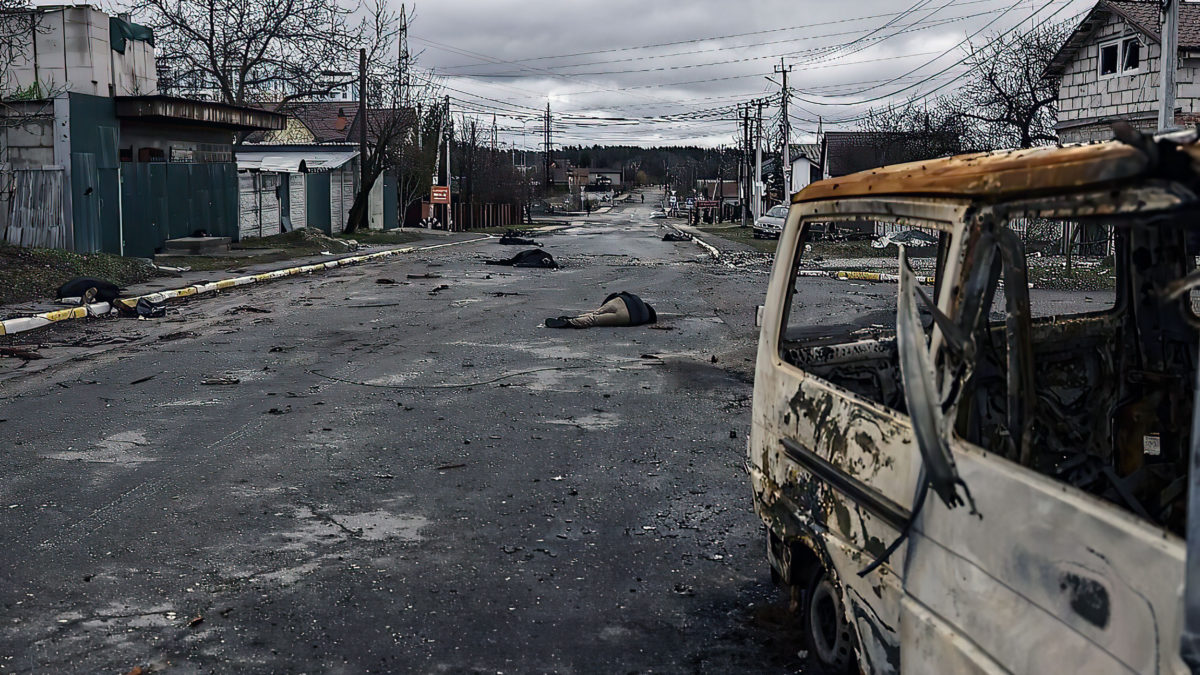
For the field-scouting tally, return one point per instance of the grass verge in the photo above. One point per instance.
(741, 235)
(36, 273)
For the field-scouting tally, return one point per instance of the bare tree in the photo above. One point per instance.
(1008, 99)
(916, 130)
(397, 138)
(246, 51)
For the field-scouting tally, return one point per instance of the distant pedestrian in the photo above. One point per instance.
(643, 199)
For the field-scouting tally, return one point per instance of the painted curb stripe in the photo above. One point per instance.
(101, 308)
(843, 275)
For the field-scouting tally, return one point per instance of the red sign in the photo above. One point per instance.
(708, 204)
(440, 194)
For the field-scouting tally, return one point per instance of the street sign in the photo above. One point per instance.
(708, 204)
(439, 194)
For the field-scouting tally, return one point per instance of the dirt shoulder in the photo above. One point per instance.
(35, 273)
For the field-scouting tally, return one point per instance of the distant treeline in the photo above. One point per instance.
(681, 164)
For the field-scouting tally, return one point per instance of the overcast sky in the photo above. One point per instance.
(641, 61)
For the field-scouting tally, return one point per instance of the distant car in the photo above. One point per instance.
(658, 214)
(770, 224)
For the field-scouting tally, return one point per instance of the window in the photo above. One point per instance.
(1133, 55)
(1108, 59)
(1123, 57)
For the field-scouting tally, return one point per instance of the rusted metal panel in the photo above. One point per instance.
(232, 117)
(990, 176)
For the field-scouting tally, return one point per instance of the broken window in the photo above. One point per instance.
(1095, 393)
(1108, 59)
(841, 319)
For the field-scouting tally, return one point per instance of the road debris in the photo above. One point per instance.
(427, 275)
(218, 381)
(517, 238)
(385, 281)
(142, 379)
(439, 288)
(25, 353)
(248, 308)
(177, 335)
(146, 309)
(446, 467)
(196, 621)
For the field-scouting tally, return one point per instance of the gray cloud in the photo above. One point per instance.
(490, 50)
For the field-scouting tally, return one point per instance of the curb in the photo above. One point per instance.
(843, 275)
(712, 250)
(26, 323)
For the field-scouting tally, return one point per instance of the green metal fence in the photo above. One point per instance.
(161, 201)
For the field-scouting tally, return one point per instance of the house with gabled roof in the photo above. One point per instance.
(1108, 69)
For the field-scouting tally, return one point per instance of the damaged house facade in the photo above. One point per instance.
(1108, 69)
(94, 159)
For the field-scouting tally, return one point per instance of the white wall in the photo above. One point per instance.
(375, 205)
(70, 50)
(258, 204)
(801, 174)
(298, 200)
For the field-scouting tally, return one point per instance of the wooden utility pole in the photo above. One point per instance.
(758, 184)
(745, 167)
(786, 129)
(362, 118)
(546, 147)
(449, 205)
(1170, 63)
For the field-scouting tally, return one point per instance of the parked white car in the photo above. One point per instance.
(770, 224)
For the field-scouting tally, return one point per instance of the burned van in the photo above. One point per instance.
(984, 485)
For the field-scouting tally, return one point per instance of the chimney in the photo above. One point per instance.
(340, 123)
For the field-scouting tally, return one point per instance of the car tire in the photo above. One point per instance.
(829, 635)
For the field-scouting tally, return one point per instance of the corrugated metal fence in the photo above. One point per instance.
(163, 201)
(35, 209)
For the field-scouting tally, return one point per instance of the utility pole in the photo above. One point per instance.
(546, 141)
(403, 58)
(402, 55)
(786, 130)
(449, 131)
(362, 118)
(743, 155)
(1170, 63)
(758, 184)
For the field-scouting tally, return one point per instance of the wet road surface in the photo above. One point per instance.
(400, 477)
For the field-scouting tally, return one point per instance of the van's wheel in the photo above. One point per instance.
(825, 626)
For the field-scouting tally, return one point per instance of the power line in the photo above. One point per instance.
(698, 39)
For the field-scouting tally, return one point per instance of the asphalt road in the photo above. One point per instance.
(405, 477)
